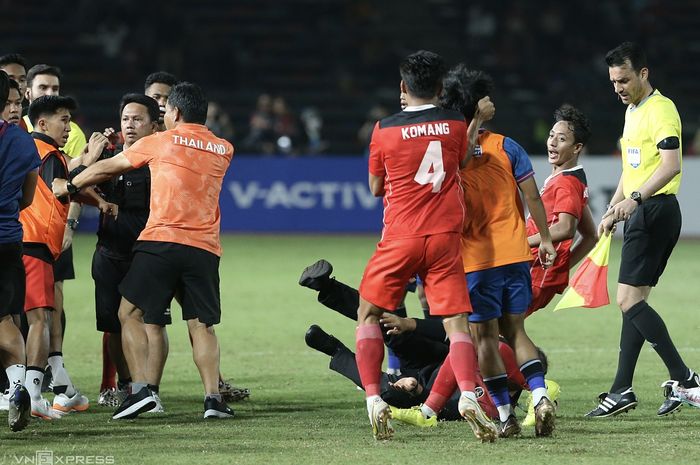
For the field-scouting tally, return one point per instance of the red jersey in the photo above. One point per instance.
(417, 152)
(564, 192)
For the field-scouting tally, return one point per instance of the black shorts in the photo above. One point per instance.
(160, 269)
(12, 279)
(108, 272)
(650, 236)
(63, 266)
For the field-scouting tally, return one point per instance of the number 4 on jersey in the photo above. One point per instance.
(431, 170)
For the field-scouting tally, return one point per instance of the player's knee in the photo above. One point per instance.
(39, 317)
(625, 300)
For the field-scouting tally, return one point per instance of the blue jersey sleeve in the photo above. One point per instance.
(522, 166)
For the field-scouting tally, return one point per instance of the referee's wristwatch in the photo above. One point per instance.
(637, 197)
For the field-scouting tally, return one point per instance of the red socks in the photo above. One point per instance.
(443, 387)
(369, 356)
(463, 360)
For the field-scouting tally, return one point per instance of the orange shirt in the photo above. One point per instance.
(187, 166)
(494, 231)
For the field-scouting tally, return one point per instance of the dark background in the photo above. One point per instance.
(340, 57)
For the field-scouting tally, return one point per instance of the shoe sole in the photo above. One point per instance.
(22, 419)
(482, 427)
(381, 427)
(135, 410)
(544, 420)
(313, 272)
(624, 409)
(36, 414)
(77, 408)
(213, 413)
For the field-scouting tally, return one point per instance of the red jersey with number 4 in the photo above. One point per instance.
(564, 192)
(417, 152)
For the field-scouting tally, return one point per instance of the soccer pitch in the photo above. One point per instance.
(300, 412)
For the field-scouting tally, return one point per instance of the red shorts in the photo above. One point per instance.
(40, 293)
(437, 259)
(541, 296)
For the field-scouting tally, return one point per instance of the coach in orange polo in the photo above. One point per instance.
(179, 248)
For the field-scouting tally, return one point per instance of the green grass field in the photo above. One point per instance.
(302, 413)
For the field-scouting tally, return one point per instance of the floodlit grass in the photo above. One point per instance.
(302, 413)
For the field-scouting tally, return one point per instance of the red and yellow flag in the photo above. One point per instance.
(588, 287)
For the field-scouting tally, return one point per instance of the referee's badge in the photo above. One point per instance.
(634, 156)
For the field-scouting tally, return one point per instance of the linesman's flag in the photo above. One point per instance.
(588, 287)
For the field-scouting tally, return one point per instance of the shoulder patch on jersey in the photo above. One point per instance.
(578, 174)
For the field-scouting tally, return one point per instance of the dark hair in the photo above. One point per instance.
(4, 89)
(462, 89)
(578, 123)
(37, 70)
(627, 51)
(13, 85)
(150, 104)
(48, 105)
(189, 98)
(13, 59)
(422, 72)
(160, 77)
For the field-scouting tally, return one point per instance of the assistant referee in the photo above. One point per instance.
(645, 200)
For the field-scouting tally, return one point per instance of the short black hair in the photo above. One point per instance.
(48, 105)
(422, 72)
(13, 85)
(463, 88)
(13, 59)
(627, 51)
(4, 89)
(162, 77)
(150, 104)
(37, 70)
(190, 99)
(578, 123)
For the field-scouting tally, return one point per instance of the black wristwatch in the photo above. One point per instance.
(72, 224)
(71, 188)
(637, 197)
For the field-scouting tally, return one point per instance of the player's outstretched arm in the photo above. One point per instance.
(94, 174)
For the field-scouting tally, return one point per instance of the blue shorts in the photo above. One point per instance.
(499, 290)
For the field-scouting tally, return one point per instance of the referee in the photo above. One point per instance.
(645, 200)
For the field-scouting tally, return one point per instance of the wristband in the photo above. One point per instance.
(76, 171)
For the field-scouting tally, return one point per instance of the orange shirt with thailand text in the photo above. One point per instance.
(187, 167)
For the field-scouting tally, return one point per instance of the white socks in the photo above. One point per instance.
(16, 374)
(33, 381)
(538, 394)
